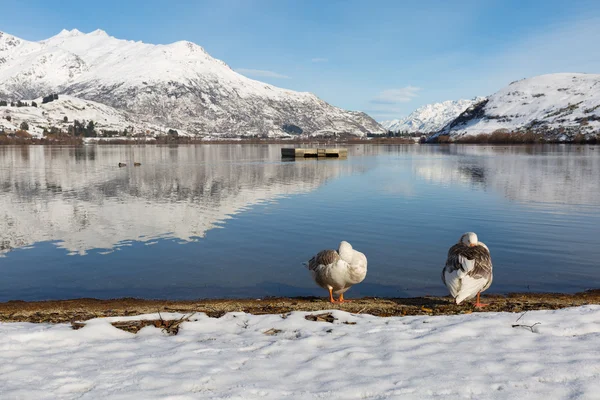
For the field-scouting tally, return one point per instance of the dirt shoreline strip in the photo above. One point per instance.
(60, 311)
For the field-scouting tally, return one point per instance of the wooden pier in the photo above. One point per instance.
(313, 152)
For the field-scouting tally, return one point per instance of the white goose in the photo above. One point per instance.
(337, 271)
(468, 270)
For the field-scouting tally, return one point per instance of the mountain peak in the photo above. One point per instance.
(97, 32)
(188, 46)
(68, 33)
(73, 33)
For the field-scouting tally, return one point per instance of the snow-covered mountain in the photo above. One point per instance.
(554, 104)
(430, 117)
(176, 86)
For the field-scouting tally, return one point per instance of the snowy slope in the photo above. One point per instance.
(431, 117)
(52, 114)
(544, 103)
(177, 85)
(473, 356)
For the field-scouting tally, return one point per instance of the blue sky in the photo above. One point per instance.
(382, 57)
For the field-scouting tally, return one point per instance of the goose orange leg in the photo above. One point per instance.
(331, 299)
(478, 304)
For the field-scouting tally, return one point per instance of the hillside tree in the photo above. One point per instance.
(90, 130)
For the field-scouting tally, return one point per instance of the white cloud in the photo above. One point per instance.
(384, 108)
(394, 96)
(319, 60)
(261, 73)
(385, 111)
(388, 104)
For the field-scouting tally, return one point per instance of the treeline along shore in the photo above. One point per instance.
(504, 138)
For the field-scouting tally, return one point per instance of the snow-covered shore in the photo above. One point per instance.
(474, 356)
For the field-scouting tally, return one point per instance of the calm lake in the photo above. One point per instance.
(237, 221)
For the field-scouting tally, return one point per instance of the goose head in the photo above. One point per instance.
(345, 250)
(469, 239)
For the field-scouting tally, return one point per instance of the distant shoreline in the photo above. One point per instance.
(383, 141)
(64, 311)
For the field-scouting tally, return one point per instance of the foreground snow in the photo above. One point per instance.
(478, 356)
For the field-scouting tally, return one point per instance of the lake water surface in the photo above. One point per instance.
(237, 221)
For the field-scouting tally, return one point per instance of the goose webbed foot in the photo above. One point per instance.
(341, 300)
(479, 304)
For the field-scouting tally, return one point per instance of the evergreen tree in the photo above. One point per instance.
(24, 126)
(77, 128)
(49, 98)
(89, 131)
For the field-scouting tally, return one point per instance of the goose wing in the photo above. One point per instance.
(324, 257)
(483, 262)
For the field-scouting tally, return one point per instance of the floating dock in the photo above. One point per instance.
(313, 152)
